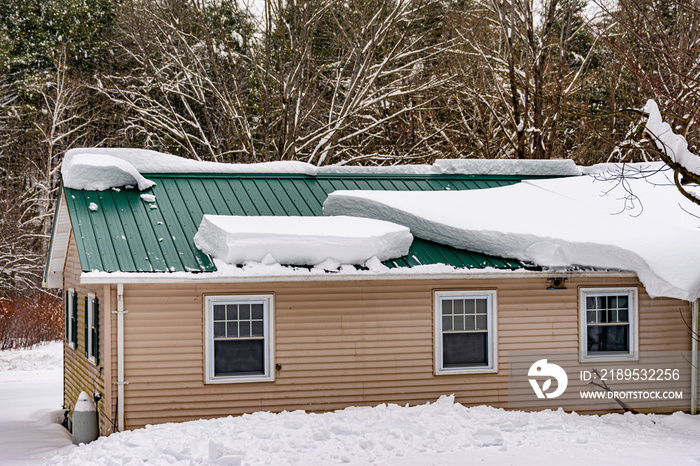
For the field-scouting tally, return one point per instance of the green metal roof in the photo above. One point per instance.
(125, 233)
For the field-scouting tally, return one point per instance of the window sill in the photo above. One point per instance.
(240, 379)
(466, 371)
(609, 358)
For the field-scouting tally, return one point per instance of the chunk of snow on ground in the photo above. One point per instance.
(149, 161)
(507, 167)
(93, 207)
(148, 197)
(673, 145)
(300, 240)
(99, 172)
(585, 221)
(443, 432)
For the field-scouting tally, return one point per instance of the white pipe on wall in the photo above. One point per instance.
(120, 356)
(694, 360)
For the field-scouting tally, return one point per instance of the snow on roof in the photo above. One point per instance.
(328, 241)
(149, 161)
(84, 171)
(629, 219)
(507, 167)
(104, 168)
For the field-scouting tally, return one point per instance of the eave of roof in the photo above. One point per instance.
(60, 236)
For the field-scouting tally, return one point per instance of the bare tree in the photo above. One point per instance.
(183, 78)
(345, 73)
(531, 75)
(655, 44)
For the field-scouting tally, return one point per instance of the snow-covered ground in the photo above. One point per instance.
(443, 432)
(31, 389)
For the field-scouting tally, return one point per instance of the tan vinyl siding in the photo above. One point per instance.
(79, 373)
(350, 343)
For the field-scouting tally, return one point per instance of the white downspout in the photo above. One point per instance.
(120, 357)
(694, 359)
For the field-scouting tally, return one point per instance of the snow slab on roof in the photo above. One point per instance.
(85, 171)
(104, 168)
(631, 218)
(507, 167)
(301, 240)
(150, 161)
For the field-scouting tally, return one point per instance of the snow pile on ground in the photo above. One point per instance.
(443, 432)
(629, 220)
(673, 145)
(41, 357)
(98, 173)
(301, 240)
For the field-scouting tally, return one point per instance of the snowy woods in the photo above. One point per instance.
(327, 82)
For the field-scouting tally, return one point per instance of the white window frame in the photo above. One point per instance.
(90, 319)
(633, 316)
(69, 317)
(268, 334)
(491, 309)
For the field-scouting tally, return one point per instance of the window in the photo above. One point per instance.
(465, 332)
(71, 317)
(608, 324)
(239, 338)
(92, 329)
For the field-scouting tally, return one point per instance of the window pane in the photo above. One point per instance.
(623, 315)
(446, 306)
(257, 311)
(244, 328)
(465, 349)
(458, 306)
(481, 306)
(447, 323)
(481, 322)
(590, 316)
(232, 312)
(219, 312)
(469, 306)
(608, 338)
(459, 322)
(470, 323)
(623, 302)
(244, 311)
(257, 328)
(590, 302)
(239, 357)
(232, 329)
(219, 329)
(600, 302)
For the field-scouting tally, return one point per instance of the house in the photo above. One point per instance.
(164, 332)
